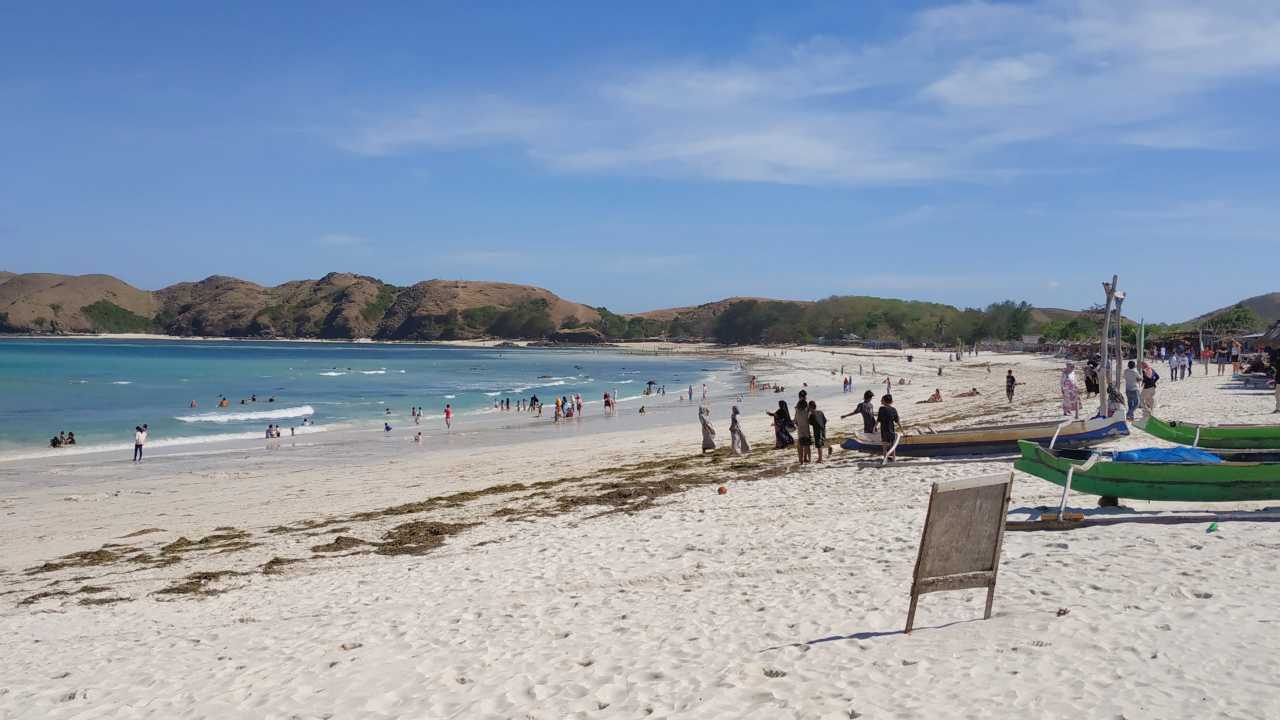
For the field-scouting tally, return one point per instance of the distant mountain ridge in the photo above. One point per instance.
(336, 306)
(351, 306)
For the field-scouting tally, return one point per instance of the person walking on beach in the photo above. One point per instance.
(1070, 393)
(889, 424)
(1147, 397)
(139, 439)
(867, 409)
(1132, 383)
(708, 432)
(781, 426)
(1275, 380)
(818, 423)
(1010, 382)
(737, 439)
(448, 416)
(803, 430)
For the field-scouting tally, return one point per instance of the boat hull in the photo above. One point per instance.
(1185, 482)
(1226, 437)
(1000, 440)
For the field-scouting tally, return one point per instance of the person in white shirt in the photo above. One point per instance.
(1132, 383)
(139, 439)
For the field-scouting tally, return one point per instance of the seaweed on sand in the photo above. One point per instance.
(198, 583)
(418, 537)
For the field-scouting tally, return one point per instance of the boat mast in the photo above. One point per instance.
(1110, 289)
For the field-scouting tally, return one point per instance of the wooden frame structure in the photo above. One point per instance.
(962, 538)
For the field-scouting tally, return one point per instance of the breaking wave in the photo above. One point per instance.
(274, 414)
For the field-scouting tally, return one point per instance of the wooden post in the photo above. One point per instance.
(995, 555)
(1103, 399)
(915, 575)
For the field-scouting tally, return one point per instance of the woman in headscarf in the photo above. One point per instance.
(1070, 394)
(781, 425)
(1147, 396)
(708, 432)
(737, 440)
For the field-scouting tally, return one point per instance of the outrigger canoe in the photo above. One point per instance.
(1220, 476)
(994, 439)
(1228, 437)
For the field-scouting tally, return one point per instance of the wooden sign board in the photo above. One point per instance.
(963, 531)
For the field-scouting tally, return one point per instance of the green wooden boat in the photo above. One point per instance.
(1241, 476)
(1228, 437)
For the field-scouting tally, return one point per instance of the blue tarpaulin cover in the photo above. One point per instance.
(1167, 455)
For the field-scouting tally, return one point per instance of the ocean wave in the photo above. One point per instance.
(493, 394)
(274, 414)
(121, 382)
(332, 373)
(373, 372)
(450, 397)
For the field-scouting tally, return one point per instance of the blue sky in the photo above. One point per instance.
(656, 155)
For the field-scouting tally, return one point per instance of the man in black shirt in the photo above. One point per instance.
(889, 424)
(1010, 382)
(867, 410)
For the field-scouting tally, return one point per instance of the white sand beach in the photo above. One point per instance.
(599, 574)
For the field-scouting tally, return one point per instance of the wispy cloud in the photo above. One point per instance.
(913, 282)
(939, 101)
(342, 240)
(483, 257)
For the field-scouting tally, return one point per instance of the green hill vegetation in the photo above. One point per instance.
(912, 322)
(108, 317)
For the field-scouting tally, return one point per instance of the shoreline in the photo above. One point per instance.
(190, 434)
(642, 345)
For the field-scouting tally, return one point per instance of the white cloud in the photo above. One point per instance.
(1002, 81)
(938, 101)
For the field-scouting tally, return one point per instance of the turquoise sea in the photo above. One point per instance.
(100, 389)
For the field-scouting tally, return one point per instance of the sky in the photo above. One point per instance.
(644, 155)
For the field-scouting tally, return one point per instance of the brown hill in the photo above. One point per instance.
(5, 275)
(1041, 316)
(337, 306)
(44, 302)
(1266, 306)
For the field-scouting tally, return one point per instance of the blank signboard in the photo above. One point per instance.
(963, 530)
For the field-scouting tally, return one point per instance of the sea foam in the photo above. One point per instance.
(273, 414)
